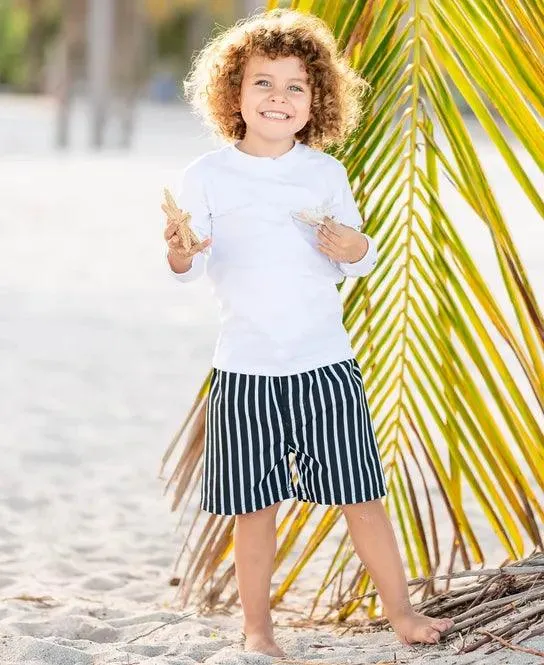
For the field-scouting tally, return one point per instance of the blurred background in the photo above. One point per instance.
(113, 52)
(101, 352)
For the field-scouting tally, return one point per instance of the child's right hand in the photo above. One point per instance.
(174, 242)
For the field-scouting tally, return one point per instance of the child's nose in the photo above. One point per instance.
(277, 95)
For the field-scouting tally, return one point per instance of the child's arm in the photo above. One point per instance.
(354, 253)
(191, 198)
(349, 215)
(365, 264)
(178, 264)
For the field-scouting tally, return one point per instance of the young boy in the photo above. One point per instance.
(285, 379)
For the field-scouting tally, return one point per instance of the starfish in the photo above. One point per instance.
(182, 219)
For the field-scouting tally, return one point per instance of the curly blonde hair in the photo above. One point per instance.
(213, 85)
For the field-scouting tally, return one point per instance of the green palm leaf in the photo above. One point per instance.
(455, 383)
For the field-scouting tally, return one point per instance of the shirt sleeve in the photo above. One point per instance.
(191, 196)
(348, 214)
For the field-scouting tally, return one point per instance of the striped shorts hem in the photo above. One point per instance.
(307, 436)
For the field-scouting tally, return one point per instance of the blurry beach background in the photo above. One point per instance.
(101, 352)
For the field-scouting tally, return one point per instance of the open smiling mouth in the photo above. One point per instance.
(274, 115)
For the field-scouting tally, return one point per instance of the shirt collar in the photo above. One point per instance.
(254, 161)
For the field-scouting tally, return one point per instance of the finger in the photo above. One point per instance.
(324, 231)
(442, 624)
(333, 227)
(170, 230)
(179, 251)
(205, 243)
(325, 241)
(327, 251)
(330, 233)
(198, 247)
(174, 243)
(330, 236)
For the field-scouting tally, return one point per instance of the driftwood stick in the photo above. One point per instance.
(520, 619)
(534, 633)
(509, 645)
(484, 572)
(447, 605)
(510, 629)
(441, 608)
(507, 634)
(456, 597)
(467, 648)
(166, 623)
(471, 596)
(528, 614)
(451, 593)
(523, 597)
(476, 621)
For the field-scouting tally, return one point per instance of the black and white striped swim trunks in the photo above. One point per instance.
(254, 423)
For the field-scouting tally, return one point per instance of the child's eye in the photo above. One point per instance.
(296, 87)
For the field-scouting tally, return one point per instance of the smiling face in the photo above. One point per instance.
(275, 99)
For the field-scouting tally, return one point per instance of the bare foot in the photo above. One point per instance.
(262, 643)
(413, 627)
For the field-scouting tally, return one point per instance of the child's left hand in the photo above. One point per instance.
(341, 243)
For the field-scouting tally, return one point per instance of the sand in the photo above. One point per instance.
(101, 355)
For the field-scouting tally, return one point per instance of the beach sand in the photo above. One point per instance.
(101, 355)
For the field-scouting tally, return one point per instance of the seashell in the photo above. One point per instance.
(314, 216)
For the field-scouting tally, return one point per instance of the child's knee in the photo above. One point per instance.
(364, 510)
(269, 512)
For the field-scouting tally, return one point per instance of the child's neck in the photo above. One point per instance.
(262, 147)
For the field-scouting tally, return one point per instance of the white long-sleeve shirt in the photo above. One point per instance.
(279, 309)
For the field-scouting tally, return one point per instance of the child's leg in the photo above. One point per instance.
(374, 541)
(254, 551)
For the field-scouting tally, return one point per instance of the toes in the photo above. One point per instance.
(402, 637)
(422, 629)
(433, 636)
(442, 624)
